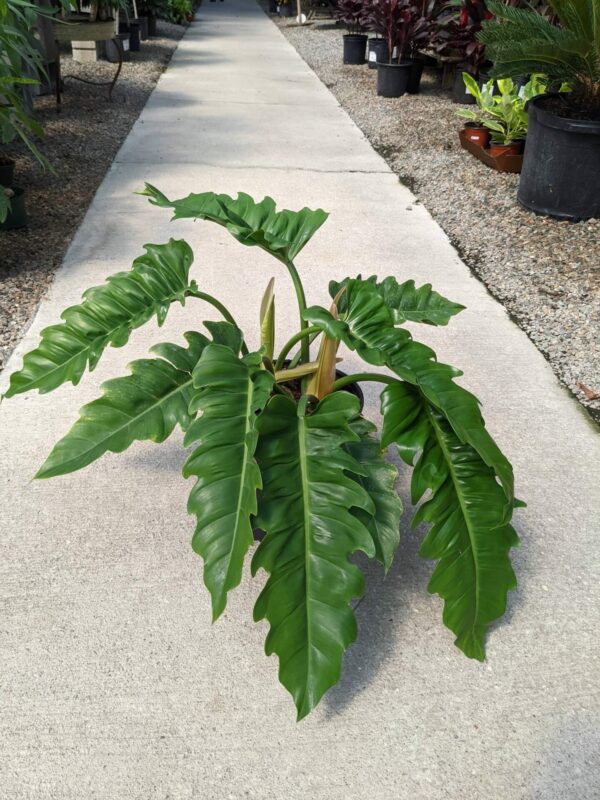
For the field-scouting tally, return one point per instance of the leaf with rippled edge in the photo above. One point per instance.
(229, 392)
(281, 233)
(306, 509)
(470, 535)
(106, 316)
(379, 481)
(367, 326)
(409, 303)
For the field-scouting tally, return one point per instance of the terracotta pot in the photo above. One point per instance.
(512, 149)
(478, 135)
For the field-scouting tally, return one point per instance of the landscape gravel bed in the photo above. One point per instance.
(545, 272)
(80, 142)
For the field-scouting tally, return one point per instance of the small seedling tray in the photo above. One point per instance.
(500, 163)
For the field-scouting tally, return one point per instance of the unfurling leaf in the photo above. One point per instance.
(321, 382)
(229, 391)
(306, 509)
(267, 321)
(106, 316)
(471, 535)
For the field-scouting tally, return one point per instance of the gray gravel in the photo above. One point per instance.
(80, 143)
(545, 272)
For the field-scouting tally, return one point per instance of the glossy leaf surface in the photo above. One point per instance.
(306, 509)
(106, 316)
(368, 328)
(379, 482)
(147, 404)
(229, 391)
(471, 535)
(409, 303)
(281, 233)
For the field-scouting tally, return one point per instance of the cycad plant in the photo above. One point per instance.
(278, 442)
(521, 42)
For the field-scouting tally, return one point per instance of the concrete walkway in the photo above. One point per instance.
(114, 684)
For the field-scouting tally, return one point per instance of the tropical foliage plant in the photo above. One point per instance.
(501, 106)
(18, 52)
(521, 41)
(351, 14)
(278, 442)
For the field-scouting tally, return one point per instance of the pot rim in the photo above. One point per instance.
(402, 65)
(567, 124)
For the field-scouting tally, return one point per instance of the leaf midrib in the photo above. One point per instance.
(238, 511)
(441, 442)
(123, 427)
(303, 461)
(32, 384)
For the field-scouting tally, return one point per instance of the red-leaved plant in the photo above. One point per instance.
(351, 14)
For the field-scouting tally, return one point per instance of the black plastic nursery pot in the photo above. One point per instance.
(355, 46)
(287, 10)
(17, 216)
(143, 23)
(7, 170)
(377, 50)
(392, 79)
(151, 24)
(414, 79)
(134, 36)
(272, 6)
(459, 90)
(111, 48)
(561, 165)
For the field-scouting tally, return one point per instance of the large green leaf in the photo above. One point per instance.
(306, 509)
(281, 233)
(229, 393)
(471, 535)
(368, 328)
(407, 302)
(106, 316)
(147, 404)
(379, 482)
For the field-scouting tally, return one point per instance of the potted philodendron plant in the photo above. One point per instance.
(278, 443)
(351, 14)
(561, 164)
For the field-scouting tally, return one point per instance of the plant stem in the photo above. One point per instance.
(208, 298)
(296, 358)
(305, 348)
(362, 376)
(301, 336)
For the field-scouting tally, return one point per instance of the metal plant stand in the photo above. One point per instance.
(83, 31)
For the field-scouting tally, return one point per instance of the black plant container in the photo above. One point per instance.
(272, 6)
(459, 90)
(134, 36)
(7, 170)
(151, 24)
(288, 10)
(392, 79)
(377, 51)
(355, 46)
(561, 165)
(143, 21)
(17, 216)
(414, 79)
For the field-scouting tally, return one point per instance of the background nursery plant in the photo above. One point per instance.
(277, 421)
